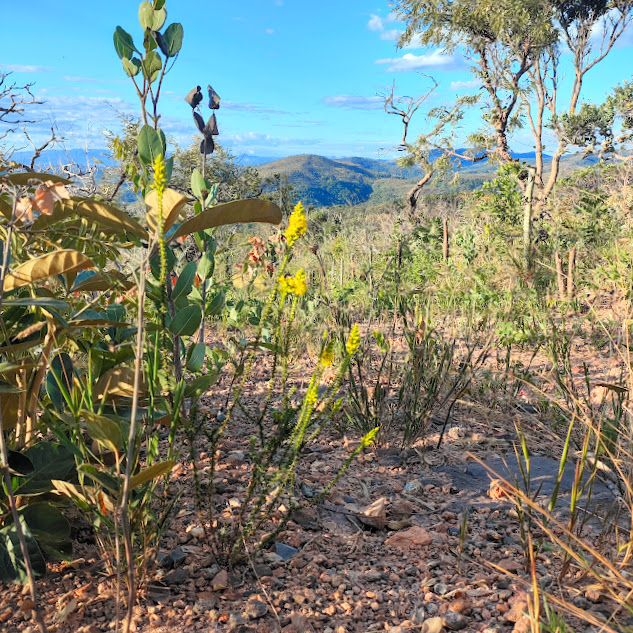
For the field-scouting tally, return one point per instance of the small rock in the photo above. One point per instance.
(221, 581)
(455, 621)
(255, 609)
(441, 589)
(209, 573)
(178, 556)
(197, 532)
(176, 577)
(285, 552)
(412, 486)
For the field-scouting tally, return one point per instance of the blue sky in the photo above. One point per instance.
(294, 76)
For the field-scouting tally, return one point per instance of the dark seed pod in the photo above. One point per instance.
(214, 98)
(194, 97)
(211, 128)
(199, 121)
(207, 146)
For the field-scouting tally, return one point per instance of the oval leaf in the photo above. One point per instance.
(132, 67)
(186, 322)
(108, 215)
(57, 263)
(123, 43)
(185, 281)
(117, 383)
(237, 212)
(150, 145)
(173, 39)
(103, 430)
(155, 470)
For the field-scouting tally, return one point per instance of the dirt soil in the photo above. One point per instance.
(439, 549)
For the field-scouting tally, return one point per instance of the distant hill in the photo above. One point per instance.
(347, 181)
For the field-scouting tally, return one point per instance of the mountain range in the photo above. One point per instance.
(322, 181)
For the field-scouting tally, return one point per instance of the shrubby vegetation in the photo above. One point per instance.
(122, 308)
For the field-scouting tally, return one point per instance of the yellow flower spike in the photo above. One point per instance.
(293, 285)
(297, 225)
(353, 342)
(300, 287)
(160, 179)
(327, 355)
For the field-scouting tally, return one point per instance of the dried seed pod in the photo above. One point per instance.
(214, 98)
(211, 128)
(199, 121)
(207, 146)
(194, 97)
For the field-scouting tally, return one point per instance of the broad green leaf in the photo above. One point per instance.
(59, 380)
(123, 43)
(173, 39)
(19, 464)
(37, 302)
(132, 67)
(185, 281)
(47, 524)
(195, 357)
(237, 212)
(107, 481)
(91, 281)
(154, 263)
(186, 322)
(12, 565)
(151, 64)
(150, 145)
(215, 305)
(40, 268)
(151, 18)
(103, 430)
(198, 386)
(117, 383)
(154, 471)
(206, 266)
(198, 184)
(173, 203)
(50, 461)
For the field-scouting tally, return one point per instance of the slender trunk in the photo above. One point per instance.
(560, 275)
(570, 273)
(527, 220)
(445, 249)
(414, 193)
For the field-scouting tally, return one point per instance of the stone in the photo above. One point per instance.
(285, 552)
(455, 621)
(221, 581)
(255, 609)
(176, 577)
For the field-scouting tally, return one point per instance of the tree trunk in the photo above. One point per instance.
(570, 274)
(527, 220)
(445, 249)
(560, 275)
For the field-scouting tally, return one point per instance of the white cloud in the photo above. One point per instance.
(270, 31)
(352, 102)
(249, 107)
(465, 85)
(376, 23)
(21, 68)
(411, 63)
(391, 35)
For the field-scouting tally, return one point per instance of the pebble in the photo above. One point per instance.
(285, 552)
(455, 621)
(176, 577)
(255, 609)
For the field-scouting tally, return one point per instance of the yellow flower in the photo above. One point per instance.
(297, 225)
(160, 180)
(353, 342)
(293, 285)
(327, 355)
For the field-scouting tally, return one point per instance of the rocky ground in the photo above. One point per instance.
(418, 540)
